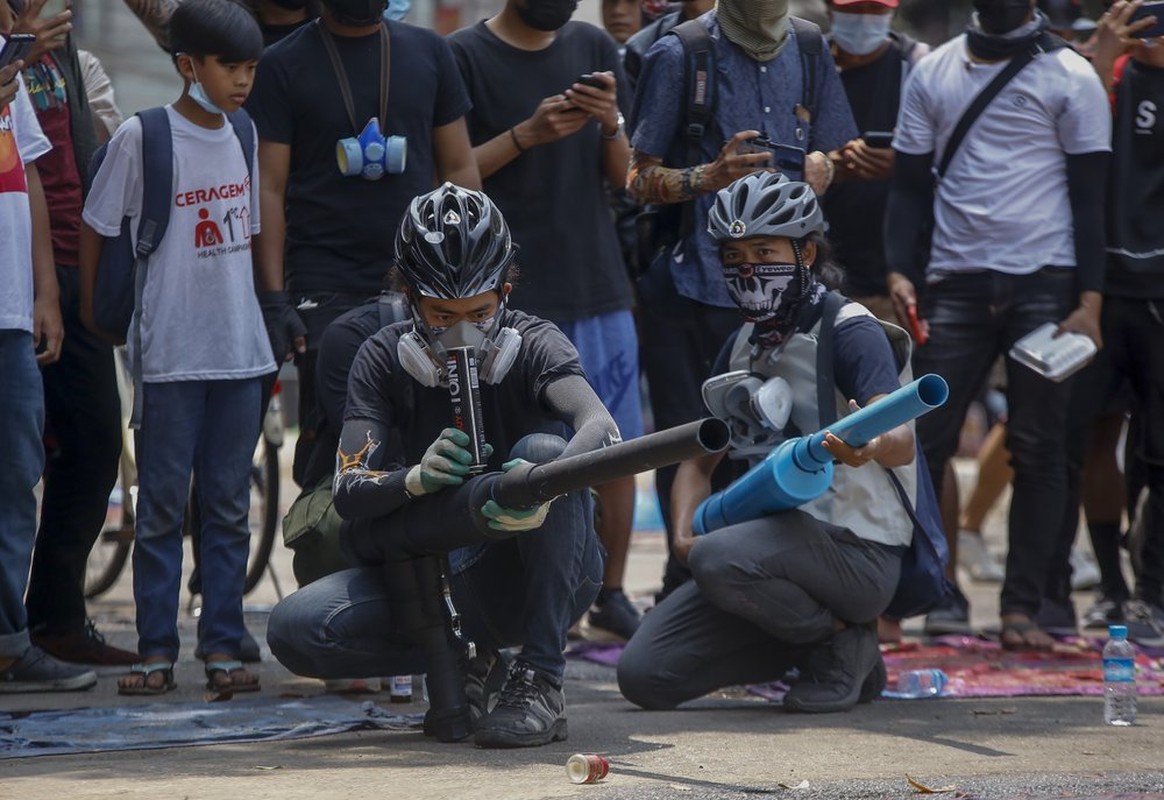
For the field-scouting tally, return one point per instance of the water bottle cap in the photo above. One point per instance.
(1117, 631)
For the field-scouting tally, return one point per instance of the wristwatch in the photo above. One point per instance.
(621, 120)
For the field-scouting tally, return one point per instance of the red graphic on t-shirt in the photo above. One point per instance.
(207, 233)
(11, 167)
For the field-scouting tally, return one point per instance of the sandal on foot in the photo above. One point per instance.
(228, 668)
(1017, 635)
(166, 668)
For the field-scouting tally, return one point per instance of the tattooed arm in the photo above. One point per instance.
(648, 181)
(365, 486)
(155, 15)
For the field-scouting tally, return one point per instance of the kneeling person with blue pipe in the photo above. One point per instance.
(799, 588)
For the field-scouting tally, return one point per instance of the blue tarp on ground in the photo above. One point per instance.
(158, 725)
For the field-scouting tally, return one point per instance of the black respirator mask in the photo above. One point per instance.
(357, 13)
(546, 15)
(997, 17)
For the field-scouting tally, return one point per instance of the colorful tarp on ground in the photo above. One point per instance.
(979, 667)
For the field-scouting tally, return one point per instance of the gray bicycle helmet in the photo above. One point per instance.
(453, 243)
(765, 204)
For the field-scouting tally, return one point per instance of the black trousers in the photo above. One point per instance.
(1133, 339)
(679, 340)
(973, 319)
(83, 415)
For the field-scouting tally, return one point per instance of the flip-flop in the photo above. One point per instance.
(228, 667)
(1022, 630)
(145, 670)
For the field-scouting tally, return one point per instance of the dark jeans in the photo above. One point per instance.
(973, 319)
(21, 465)
(322, 309)
(526, 590)
(83, 414)
(679, 340)
(763, 592)
(1133, 340)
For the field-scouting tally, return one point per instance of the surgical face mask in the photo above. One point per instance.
(546, 15)
(357, 13)
(198, 94)
(997, 17)
(860, 34)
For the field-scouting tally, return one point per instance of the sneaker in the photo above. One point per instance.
(1145, 623)
(977, 559)
(1084, 571)
(484, 680)
(613, 617)
(37, 671)
(836, 671)
(84, 647)
(950, 615)
(530, 711)
(1103, 612)
(352, 685)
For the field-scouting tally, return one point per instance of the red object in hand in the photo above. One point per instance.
(915, 327)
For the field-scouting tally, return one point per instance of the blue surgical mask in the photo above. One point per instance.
(860, 34)
(198, 94)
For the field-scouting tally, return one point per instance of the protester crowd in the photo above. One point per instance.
(582, 209)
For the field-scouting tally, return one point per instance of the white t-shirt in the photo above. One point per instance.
(200, 318)
(1003, 203)
(21, 143)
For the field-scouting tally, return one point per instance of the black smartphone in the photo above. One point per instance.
(1150, 10)
(880, 140)
(785, 158)
(589, 79)
(16, 48)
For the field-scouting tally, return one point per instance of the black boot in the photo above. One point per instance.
(836, 672)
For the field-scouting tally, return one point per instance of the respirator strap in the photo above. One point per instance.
(345, 85)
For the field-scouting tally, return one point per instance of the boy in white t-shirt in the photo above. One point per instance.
(203, 345)
(30, 333)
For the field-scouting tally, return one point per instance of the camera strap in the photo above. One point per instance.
(341, 74)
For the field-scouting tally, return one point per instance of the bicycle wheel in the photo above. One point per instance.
(264, 517)
(111, 550)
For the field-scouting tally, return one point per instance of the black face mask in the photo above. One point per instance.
(1001, 16)
(357, 13)
(546, 15)
(291, 5)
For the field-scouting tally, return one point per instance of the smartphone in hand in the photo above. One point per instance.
(786, 159)
(878, 140)
(1150, 10)
(16, 48)
(586, 79)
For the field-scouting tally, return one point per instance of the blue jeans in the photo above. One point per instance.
(21, 463)
(974, 318)
(526, 590)
(208, 428)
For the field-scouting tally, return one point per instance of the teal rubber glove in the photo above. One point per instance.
(514, 520)
(445, 463)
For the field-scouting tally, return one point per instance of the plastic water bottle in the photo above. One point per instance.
(1119, 678)
(919, 683)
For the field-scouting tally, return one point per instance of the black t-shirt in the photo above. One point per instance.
(381, 391)
(554, 195)
(340, 230)
(1136, 200)
(856, 211)
(273, 34)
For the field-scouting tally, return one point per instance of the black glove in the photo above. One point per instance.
(283, 323)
